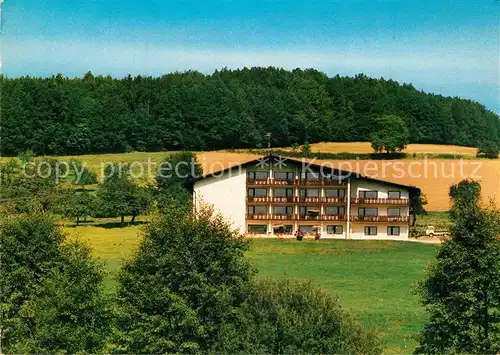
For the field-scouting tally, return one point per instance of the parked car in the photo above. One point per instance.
(432, 232)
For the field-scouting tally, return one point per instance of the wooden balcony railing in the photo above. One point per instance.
(324, 217)
(259, 199)
(334, 217)
(291, 199)
(316, 200)
(281, 199)
(320, 182)
(269, 199)
(334, 200)
(270, 182)
(304, 217)
(379, 201)
(310, 199)
(356, 218)
(282, 217)
(257, 182)
(288, 182)
(266, 216)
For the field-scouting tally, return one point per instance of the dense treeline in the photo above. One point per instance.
(228, 109)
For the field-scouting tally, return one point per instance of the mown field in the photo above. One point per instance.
(372, 279)
(365, 147)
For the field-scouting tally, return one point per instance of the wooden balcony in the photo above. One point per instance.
(270, 182)
(292, 217)
(380, 201)
(319, 182)
(274, 217)
(282, 217)
(269, 199)
(316, 200)
(304, 217)
(334, 217)
(282, 199)
(356, 218)
(310, 200)
(259, 199)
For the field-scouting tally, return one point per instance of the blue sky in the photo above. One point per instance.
(447, 47)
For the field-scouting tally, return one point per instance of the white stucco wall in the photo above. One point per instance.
(382, 188)
(227, 194)
(358, 231)
(357, 228)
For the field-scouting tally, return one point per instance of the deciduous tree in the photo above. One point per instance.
(50, 290)
(185, 282)
(461, 290)
(391, 135)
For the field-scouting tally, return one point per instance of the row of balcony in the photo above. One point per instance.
(342, 200)
(325, 217)
(304, 182)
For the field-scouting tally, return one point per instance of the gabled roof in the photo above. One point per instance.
(338, 172)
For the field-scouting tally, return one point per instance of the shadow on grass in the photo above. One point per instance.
(106, 225)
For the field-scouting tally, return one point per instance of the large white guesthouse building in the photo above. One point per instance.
(275, 196)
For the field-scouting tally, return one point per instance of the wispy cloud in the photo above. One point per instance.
(451, 68)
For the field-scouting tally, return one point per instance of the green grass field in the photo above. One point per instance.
(372, 279)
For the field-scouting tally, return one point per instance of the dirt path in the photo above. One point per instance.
(426, 240)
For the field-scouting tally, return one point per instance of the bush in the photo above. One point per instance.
(68, 311)
(185, 282)
(50, 299)
(291, 317)
(489, 149)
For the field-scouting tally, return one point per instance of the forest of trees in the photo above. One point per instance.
(224, 110)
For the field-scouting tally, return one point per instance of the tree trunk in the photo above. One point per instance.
(122, 219)
(133, 219)
(77, 220)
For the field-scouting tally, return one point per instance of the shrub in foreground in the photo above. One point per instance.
(292, 317)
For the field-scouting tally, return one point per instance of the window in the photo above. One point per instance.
(283, 209)
(257, 209)
(370, 230)
(362, 211)
(258, 175)
(394, 211)
(285, 229)
(257, 192)
(334, 192)
(335, 230)
(283, 192)
(368, 194)
(306, 229)
(284, 175)
(335, 210)
(309, 210)
(257, 228)
(309, 192)
(309, 175)
(393, 230)
(394, 194)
